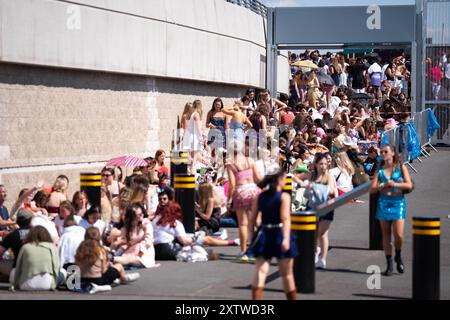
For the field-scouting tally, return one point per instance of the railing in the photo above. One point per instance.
(254, 5)
(399, 137)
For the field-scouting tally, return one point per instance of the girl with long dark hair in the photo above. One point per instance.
(136, 239)
(274, 238)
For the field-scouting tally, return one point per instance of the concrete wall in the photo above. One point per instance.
(209, 40)
(85, 80)
(57, 121)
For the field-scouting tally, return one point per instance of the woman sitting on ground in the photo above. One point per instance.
(92, 259)
(207, 209)
(37, 266)
(92, 218)
(170, 235)
(109, 181)
(57, 196)
(80, 202)
(39, 203)
(65, 209)
(72, 236)
(136, 240)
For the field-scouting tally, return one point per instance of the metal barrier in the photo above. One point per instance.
(253, 5)
(398, 137)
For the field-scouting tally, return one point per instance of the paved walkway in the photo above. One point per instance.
(348, 259)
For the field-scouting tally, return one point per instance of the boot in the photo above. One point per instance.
(399, 262)
(291, 295)
(257, 293)
(390, 266)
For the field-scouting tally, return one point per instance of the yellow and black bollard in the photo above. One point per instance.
(91, 183)
(179, 161)
(426, 258)
(304, 226)
(375, 237)
(288, 184)
(184, 185)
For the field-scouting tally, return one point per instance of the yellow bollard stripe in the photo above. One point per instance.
(184, 179)
(426, 223)
(175, 161)
(305, 227)
(90, 184)
(91, 177)
(424, 232)
(185, 186)
(287, 188)
(303, 219)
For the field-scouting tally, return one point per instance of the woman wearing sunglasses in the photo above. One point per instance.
(110, 182)
(392, 180)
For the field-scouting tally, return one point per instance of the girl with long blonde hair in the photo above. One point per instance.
(193, 135)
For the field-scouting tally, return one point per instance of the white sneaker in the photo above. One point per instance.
(96, 288)
(133, 276)
(322, 264)
(316, 258)
(237, 241)
(224, 234)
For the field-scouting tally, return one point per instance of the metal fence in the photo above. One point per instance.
(253, 5)
(399, 136)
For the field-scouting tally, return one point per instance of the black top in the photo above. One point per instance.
(356, 71)
(14, 241)
(269, 203)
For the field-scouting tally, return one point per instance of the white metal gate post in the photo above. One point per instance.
(271, 54)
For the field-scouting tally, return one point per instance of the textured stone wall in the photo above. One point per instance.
(80, 119)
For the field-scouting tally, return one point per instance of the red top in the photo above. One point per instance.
(287, 118)
(435, 74)
(164, 170)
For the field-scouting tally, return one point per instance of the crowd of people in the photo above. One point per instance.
(438, 77)
(326, 133)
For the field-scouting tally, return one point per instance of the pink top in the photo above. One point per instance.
(243, 174)
(226, 187)
(141, 244)
(435, 74)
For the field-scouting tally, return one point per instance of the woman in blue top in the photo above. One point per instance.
(238, 122)
(391, 181)
(215, 121)
(273, 238)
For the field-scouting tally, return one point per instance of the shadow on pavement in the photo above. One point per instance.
(265, 289)
(348, 248)
(380, 296)
(341, 271)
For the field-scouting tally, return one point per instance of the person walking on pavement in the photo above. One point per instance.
(273, 238)
(392, 180)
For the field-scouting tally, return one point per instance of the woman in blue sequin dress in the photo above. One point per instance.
(391, 182)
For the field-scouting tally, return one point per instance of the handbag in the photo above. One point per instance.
(360, 177)
(317, 195)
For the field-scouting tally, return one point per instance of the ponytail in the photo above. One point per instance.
(271, 181)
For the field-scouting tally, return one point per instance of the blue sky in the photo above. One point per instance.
(314, 3)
